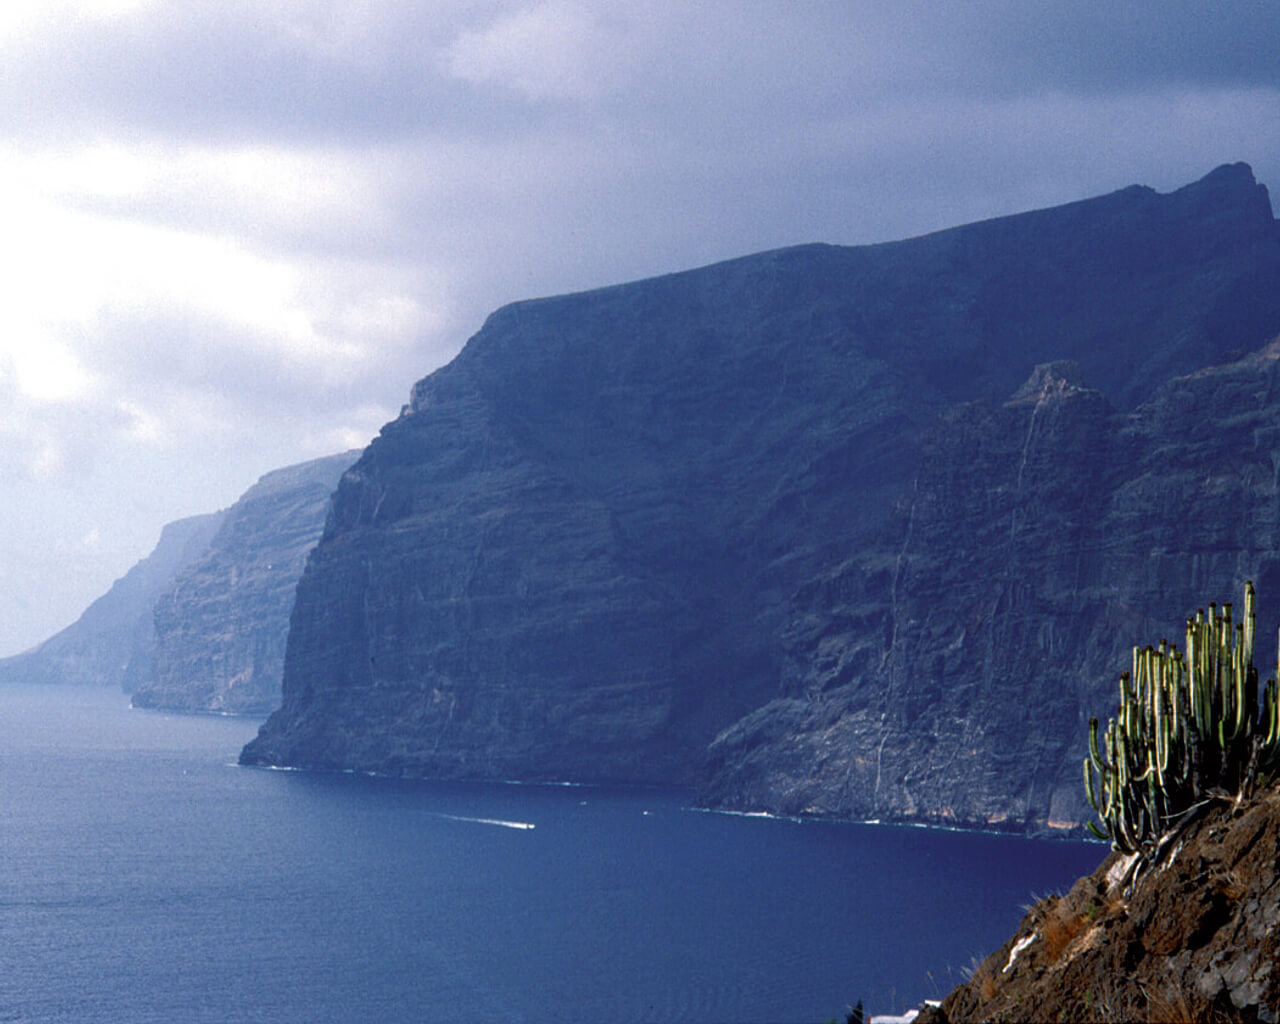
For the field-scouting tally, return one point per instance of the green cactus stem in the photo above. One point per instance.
(1186, 724)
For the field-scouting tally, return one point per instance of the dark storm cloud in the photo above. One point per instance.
(243, 71)
(296, 72)
(752, 113)
(752, 123)
(1096, 48)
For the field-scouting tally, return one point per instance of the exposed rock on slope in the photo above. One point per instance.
(948, 671)
(575, 553)
(111, 644)
(220, 629)
(1196, 938)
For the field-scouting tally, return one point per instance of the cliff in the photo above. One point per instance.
(112, 642)
(220, 627)
(1196, 937)
(947, 672)
(619, 522)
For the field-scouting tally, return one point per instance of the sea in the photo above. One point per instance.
(144, 877)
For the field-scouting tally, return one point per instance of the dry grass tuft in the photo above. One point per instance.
(1059, 929)
(1170, 1006)
(1114, 903)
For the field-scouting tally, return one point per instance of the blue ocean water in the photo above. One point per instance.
(145, 878)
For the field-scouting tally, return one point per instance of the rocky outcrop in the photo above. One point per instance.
(947, 672)
(1196, 937)
(621, 521)
(220, 628)
(112, 642)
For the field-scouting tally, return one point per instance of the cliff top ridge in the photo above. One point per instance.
(1061, 374)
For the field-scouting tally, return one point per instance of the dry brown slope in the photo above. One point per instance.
(1195, 938)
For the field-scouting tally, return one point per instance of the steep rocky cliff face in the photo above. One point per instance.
(220, 627)
(620, 521)
(947, 672)
(1196, 937)
(112, 643)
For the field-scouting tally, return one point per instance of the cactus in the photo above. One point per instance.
(1187, 726)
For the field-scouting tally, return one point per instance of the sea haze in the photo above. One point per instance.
(147, 879)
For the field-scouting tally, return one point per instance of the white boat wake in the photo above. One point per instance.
(484, 821)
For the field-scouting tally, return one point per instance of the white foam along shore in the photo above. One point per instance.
(747, 814)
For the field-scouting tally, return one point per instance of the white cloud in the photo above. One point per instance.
(25, 17)
(48, 372)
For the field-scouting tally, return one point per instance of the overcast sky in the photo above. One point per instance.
(233, 234)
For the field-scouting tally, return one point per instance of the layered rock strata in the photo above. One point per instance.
(947, 673)
(221, 626)
(618, 522)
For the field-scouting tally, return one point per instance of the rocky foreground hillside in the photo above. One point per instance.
(1196, 937)
(113, 643)
(762, 493)
(221, 625)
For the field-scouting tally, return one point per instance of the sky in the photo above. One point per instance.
(234, 234)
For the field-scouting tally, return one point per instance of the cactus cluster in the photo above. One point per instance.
(1190, 725)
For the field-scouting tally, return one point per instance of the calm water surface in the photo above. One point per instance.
(145, 878)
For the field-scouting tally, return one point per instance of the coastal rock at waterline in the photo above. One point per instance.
(576, 554)
(220, 628)
(112, 642)
(947, 673)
